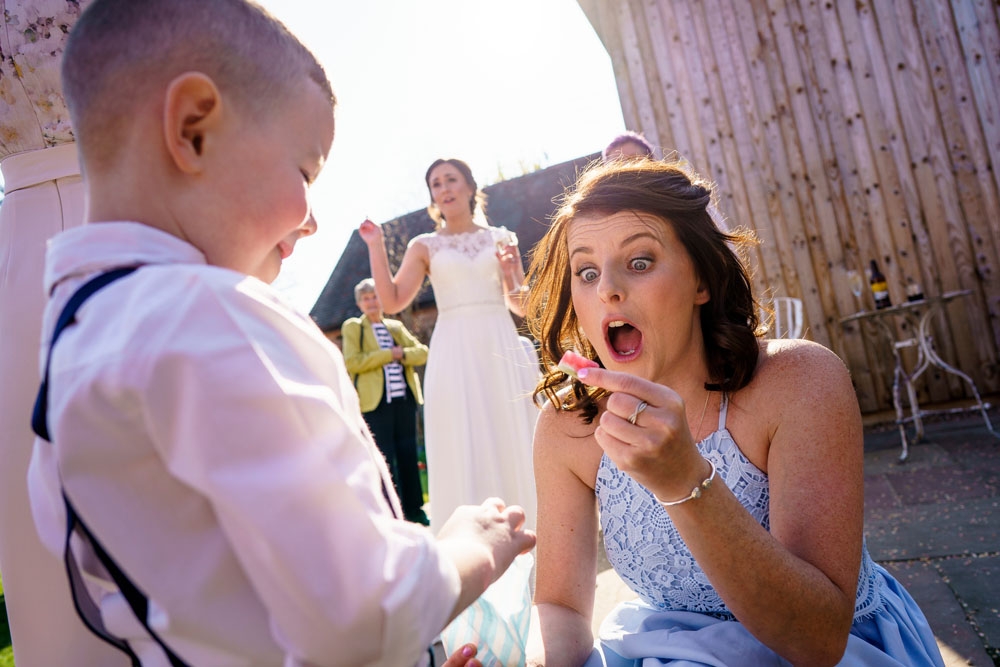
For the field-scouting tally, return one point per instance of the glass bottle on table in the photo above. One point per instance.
(880, 288)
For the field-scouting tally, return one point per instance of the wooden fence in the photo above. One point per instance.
(840, 131)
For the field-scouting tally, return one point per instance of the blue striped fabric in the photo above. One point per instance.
(497, 623)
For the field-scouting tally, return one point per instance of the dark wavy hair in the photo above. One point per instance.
(478, 196)
(729, 320)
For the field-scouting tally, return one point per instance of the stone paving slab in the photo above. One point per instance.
(976, 582)
(923, 456)
(934, 531)
(945, 484)
(958, 639)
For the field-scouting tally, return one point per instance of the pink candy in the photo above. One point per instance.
(571, 363)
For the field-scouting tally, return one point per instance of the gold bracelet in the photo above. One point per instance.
(695, 492)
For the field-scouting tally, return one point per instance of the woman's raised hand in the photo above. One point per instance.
(644, 430)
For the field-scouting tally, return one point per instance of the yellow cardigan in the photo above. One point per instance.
(365, 359)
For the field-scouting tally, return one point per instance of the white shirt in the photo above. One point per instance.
(210, 437)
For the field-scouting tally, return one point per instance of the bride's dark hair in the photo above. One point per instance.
(478, 196)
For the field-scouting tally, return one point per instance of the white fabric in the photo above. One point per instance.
(44, 196)
(210, 436)
(478, 414)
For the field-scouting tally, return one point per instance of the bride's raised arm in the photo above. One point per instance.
(395, 292)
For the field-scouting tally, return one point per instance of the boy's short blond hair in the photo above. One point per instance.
(121, 53)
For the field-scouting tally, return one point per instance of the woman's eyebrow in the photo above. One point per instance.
(639, 235)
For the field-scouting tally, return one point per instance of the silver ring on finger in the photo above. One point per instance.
(638, 411)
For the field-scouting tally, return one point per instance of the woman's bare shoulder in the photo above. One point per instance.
(783, 359)
(798, 386)
(798, 373)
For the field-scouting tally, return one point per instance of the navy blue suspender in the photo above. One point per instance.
(86, 608)
(137, 600)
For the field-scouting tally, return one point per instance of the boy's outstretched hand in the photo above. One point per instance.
(464, 656)
(482, 541)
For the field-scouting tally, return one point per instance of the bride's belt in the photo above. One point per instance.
(471, 305)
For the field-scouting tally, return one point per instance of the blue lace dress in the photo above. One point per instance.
(679, 619)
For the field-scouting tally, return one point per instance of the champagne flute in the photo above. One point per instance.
(507, 243)
(856, 283)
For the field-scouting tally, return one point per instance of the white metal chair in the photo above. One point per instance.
(787, 317)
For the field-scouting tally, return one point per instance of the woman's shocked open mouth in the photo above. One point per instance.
(624, 340)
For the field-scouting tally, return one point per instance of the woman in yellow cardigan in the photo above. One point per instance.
(380, 355)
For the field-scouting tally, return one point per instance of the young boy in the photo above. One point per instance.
(207, 435)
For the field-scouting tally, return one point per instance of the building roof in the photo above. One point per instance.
(522, 205)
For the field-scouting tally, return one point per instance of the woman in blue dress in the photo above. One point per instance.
(725, 470)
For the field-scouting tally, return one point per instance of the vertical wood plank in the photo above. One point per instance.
(805, 248)
(879, 109)
(691, 78)
(844, 172)
(641, 96)
(679, 138)
(804, 146)
(611, 36)
(975, 196)
(741, 154)
(735, 197)
(979, 31)
(839, 131)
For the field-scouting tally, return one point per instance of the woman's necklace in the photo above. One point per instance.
(704, 410)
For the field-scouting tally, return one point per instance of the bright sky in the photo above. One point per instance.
(497, 83)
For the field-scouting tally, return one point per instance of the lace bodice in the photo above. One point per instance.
(648, 553)
(464, 268)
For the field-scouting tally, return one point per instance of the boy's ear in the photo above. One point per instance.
(192, 109)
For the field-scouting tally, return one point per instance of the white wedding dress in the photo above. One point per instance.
(479, 417)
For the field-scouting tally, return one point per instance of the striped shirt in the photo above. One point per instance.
(394, 382)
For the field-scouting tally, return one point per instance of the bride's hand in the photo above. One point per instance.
(370, 231)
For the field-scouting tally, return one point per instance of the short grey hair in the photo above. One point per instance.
(364, 287)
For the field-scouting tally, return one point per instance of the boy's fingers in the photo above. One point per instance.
(496, 503)
(515, 514)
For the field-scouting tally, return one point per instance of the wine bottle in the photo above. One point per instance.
(880, 289)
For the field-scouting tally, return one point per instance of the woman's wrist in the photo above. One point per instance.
(696, 492)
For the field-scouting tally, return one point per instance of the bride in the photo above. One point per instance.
(479, 417)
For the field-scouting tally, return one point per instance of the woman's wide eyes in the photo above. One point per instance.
(640, 264)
